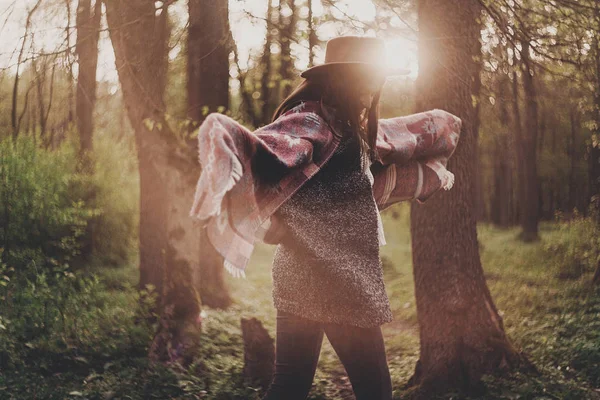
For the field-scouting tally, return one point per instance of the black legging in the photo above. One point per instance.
(298, 345)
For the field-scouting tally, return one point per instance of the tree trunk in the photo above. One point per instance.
(40, 81)
(267, 103)
(287, 26)
(461, 334)
(573, 153)
(530, 208)
(86, 47)
(312, 35)
(139, 34)
(480, 209)
(502, 190)
(247, 102)
(69, 62)
(594, 150)
(518, 146)
(504, 163)
(16, 122)
(209, 45)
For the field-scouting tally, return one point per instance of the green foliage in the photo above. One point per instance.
(40, 218)
(116, 185)
(57, 318)
(101, 351)
(575, 249)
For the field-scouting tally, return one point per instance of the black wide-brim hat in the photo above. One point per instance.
(354, 53)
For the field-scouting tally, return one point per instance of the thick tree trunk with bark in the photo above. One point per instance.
(139, 34)
(530, 208)
(480, 209)
(209, 46)
(461, 334)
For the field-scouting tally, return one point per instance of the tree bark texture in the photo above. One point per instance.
(139, 34)
(461, 334)
(209, 46)
(480, 209)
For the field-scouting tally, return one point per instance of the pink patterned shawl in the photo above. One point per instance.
(247, 175)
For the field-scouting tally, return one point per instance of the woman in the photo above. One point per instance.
(327, 273)
(305, 183)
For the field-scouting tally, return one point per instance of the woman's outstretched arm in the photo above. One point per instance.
(414, 152)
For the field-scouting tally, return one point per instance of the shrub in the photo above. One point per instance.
(40, 219)
(574, 248)
(116, 183)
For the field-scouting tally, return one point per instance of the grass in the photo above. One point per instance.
(553, 319)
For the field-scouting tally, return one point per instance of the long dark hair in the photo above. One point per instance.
(340, 91)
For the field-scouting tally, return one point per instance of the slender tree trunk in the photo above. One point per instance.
(573, 154)
(87, 21)
(594, 156)
(461, 334)
(86, 47)
(267, 106)
(312, 35)
(542, 131)
(139, 34)
(70, 114)
(594, 150)
(15, 122)
(39, 84)
(247, 103)
(502, 193)
(287, 25)
(531, 183)
(209, 46)
(518, 149)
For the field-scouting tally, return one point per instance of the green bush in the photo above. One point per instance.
(574, 249)
(50, 303)
(41, 220)
(116, 182)
(60, 317)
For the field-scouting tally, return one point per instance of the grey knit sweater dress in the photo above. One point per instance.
(327, 267)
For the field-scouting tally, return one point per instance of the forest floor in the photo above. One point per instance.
(551, 314)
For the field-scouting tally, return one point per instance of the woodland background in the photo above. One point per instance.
(110, 291)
